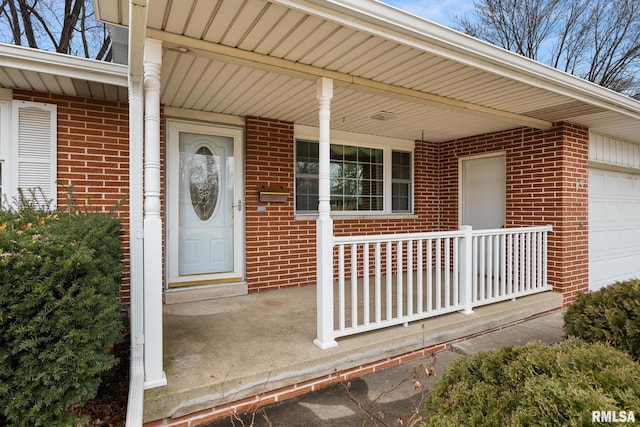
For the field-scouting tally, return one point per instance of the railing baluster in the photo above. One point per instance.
(516, 263)
(545, 242)
(429, 248)
(354, 285)
(496, 266)
(420, 277)
(529, 261)
(456, 271)
(389, 272)
(378, 284)
(410, 278)
(399, 281)
(365, 283)
(534, 261)
(523, 265)
(482, 259)
(438, 268)
(488, 260)
(510, 264)
(447, 272)
(474, 267)
(341, 307)
(540, 260)
(503, 265)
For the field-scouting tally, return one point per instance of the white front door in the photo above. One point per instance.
(205, 205)
(483, 191)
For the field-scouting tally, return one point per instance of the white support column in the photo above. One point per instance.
(324, 223)
(466, 267)
(154, 374)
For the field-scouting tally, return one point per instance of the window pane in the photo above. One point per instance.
(364, 155)
(401, 181)
(400, 199)
(336, 152)
(401, 165)
(352, 170)
(306, 157)
(350, 153)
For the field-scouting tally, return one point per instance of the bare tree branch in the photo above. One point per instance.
(26, 22)
(72, 12)
(597, 40)
(15, 24)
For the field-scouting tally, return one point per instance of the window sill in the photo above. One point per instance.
(351, 217)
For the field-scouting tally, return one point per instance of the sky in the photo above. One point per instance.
(439, 11)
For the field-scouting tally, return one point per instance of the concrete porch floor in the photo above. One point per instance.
(224, 350)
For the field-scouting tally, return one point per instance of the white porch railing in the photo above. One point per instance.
(387, 280)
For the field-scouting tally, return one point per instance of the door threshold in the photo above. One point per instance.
(199, 293)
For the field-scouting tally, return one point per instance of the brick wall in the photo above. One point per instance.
(92, 156)
(280, 249)
(542, 170)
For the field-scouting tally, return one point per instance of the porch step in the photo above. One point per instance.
(219, 352)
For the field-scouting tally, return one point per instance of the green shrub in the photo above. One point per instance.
(535, 385)
(59, 285)
(611, 314)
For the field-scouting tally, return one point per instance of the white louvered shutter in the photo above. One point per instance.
(35, 150)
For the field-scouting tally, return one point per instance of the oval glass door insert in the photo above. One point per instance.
(204, 178)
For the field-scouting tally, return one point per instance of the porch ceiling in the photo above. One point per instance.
(267, 54)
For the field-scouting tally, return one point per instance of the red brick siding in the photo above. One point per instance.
(280, 250)
(92, 156)
(542, 170)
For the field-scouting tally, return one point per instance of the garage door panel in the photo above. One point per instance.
(614, 227)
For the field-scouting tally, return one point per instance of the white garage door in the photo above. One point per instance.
(614, 227)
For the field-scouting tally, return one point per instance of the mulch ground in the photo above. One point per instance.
(109, 408)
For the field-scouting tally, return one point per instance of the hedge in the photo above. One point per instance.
(611, 314)
(59, 311)
(535, 385)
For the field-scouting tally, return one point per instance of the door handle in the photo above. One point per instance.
(238, 205)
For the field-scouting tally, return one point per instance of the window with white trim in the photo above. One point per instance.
(28, 151)
(363, 179)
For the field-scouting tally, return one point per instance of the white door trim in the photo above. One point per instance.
(174, 127)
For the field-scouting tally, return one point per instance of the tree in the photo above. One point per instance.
(598, 40)
(63, 26)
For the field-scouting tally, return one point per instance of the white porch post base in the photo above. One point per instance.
(154, 375)
(324, 286)
(324, 223)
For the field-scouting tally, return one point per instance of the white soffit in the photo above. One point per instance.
(282, 43)
(31, 69)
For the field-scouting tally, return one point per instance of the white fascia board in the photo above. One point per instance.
(394, 24)
(41, 61)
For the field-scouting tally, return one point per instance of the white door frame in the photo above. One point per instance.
(174, 127)
(461, 181)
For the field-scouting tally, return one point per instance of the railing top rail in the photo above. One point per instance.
(374, 238)
(512, 230)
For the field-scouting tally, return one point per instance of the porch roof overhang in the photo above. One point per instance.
(262, 57)
(41, 71)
